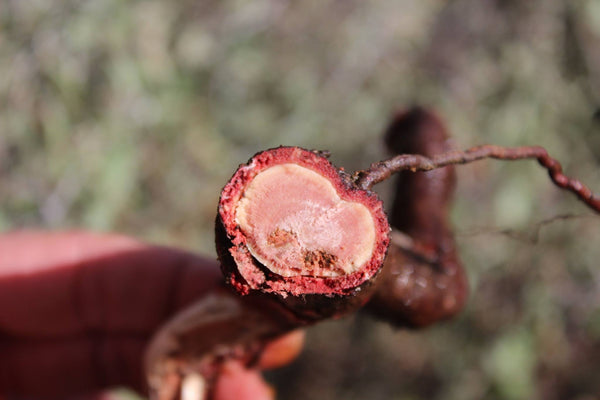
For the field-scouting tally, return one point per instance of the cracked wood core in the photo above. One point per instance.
(296, 224)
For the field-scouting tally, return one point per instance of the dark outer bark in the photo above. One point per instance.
(417, 288)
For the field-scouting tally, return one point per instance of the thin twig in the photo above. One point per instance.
(380, 171)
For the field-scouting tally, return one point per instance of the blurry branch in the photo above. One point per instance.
(530, 236)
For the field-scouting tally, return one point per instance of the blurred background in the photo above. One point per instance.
(131, 116)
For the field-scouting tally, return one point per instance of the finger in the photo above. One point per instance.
(76, 282)
(239, 383)
(76, 309)
(282, 350)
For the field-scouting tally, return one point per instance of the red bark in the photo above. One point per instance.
(305, 292)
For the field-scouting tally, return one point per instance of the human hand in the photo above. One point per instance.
(77, 311)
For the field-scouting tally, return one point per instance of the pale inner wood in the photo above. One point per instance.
(296, 224)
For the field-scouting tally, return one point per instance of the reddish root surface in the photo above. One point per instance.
(290, 223)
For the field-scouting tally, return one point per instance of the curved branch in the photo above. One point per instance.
(381, 171)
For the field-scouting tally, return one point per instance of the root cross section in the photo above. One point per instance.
(297, 225)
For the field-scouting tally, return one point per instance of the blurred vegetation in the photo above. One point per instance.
(130, 116)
